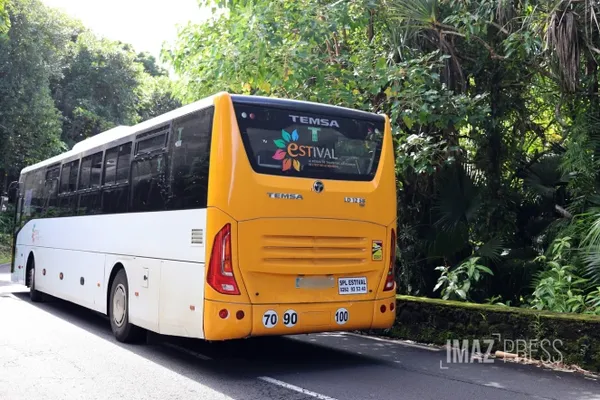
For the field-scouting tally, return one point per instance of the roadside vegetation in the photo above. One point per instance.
(5, 237)
(60, 84)
(495, 112)
(494, 107)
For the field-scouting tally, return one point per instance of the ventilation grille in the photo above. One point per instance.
(197, 236)
(314, 250)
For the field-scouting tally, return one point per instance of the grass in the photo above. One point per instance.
(4, 258)
(499, 308)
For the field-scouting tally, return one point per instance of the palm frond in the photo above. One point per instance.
(457, 201)
(418, 12)
(562, 37)
(544, 176)
(491, 250)
(590, 249)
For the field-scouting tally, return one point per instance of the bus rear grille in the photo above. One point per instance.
(314, 250)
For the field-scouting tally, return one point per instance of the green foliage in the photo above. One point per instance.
(4, 19)
(6, 225)
(29, 121)
(492, 107)
(456, 284)
(559, 288)
(60, 84)
(100, 88)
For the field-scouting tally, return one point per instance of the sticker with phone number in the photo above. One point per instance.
(356, 285)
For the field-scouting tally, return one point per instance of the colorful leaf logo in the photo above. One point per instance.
(281, 153)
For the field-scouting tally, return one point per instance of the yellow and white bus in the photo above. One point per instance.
(231, 217)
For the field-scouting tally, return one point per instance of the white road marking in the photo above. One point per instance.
(295, 388)
(188, 351)
(392, 341)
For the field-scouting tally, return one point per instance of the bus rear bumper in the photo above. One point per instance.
(247, 320)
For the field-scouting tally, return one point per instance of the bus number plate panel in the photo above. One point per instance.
(314, 282)
(355, 285)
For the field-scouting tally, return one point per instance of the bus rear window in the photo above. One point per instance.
(291, 143)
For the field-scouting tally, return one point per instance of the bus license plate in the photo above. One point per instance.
(357, 285)
(314, 282)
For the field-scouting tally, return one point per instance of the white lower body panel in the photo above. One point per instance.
(166, 285)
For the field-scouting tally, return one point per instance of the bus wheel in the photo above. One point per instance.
(34, 295)
(118, 311)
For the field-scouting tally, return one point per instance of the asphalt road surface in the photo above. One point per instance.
(56, 350)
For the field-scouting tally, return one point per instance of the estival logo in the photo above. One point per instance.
(283, 151)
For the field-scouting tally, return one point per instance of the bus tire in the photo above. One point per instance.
(34, 295)
(118, 311)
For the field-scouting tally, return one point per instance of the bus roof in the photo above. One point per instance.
(306, 106)
(122, 131)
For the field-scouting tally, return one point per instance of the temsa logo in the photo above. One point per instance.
(315, 121)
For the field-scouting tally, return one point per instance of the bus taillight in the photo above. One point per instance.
(389, 281)
(220, 269)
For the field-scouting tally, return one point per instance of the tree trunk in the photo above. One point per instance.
(371, 27)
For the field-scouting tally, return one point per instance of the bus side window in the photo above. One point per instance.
(73, 176)
(115, 192)
(89, 178)
(84, 175)
(114, 200)
(96, 170)
(64, 178)
(190, 156)
(110, 166)
(37, 196)
(67, 199)
(148, 183)
(26, 192)
(51, 192)
(124, 163)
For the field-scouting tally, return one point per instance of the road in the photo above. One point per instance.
(56, 350)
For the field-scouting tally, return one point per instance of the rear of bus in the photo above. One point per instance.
(301, 219)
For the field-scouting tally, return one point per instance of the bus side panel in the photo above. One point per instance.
(143, 279)
(181, 299)
(18, 275)
(81, 272)
(161, 235)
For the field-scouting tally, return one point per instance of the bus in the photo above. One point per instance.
(231, 217)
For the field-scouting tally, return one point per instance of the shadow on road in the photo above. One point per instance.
(234, 365)
(231, 360)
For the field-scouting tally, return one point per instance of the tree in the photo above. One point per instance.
(493, 106)
(61, 84)
(4, 19)
(29, 121)
(100, 88)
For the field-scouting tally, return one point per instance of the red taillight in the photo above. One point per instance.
(390, 283)
(220, 269)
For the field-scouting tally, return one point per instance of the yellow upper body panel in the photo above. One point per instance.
(242, 193)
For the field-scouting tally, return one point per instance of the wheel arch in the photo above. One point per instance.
(28, 266)
(113, 273)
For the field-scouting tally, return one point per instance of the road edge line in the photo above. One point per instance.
(400, 342)
(295, 388)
